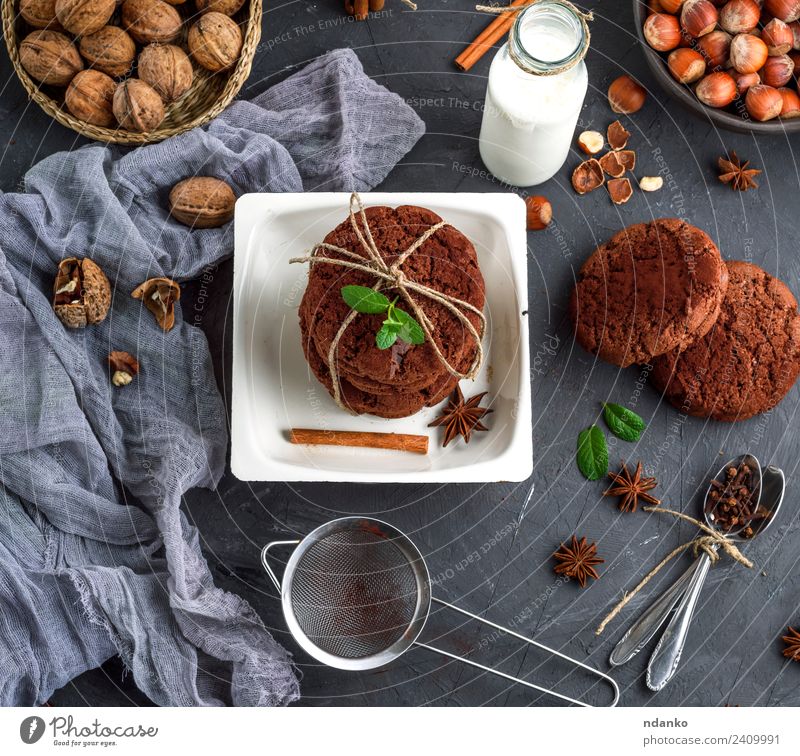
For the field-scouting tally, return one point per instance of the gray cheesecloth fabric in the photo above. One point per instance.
(96, 558)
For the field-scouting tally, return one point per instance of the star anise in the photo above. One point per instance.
(577, 560)
(631, 488)
(461, 417)
(792, 641)
(737, 174)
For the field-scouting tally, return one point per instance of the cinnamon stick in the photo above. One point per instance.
(487, 38)
(393, 441)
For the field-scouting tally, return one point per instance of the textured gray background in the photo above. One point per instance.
(733, 655)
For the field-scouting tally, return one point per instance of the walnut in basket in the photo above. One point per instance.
(40, 14)
(215, 41)
(110, 50)
(137, 106)
(150, 20)
(50, 57)
(84, 16)
(90, 97)
(167, 69)
(228, 7)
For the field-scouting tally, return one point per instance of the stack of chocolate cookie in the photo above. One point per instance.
(723, 339)
(400, 380)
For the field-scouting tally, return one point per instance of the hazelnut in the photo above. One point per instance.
(745, 81)
(110, 50)
(671, 6)
(137, 106)
(625, 95)
(748, 53)
(611, 164)
(715, 48)
(717, 90)
(763, 102)
(167, 69)
(81, 293)
(39, 14)
(539, 213)
(651, 183)
(785, 10)
(150, 20)
(795, 29)
(159, 296)
(591, 142)
(49, 57)
(620, 190)
(123, 367)
(202, 202)
(795, 56)
(791, 103)
(84, 16)
(778, 37)
(698, 17)
(215, 41)
(588, 176)
(686, 65)
(738, 16)
(228, 7)
(777, 71)
(89, 97)
(617, 136)
(662, 31)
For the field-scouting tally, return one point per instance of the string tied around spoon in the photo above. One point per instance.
(710, 543)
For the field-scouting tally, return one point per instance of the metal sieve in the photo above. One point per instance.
(356, 594)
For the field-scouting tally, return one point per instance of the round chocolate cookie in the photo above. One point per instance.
(446, 262)
(395, 404)
(651, 288)
(747, 362)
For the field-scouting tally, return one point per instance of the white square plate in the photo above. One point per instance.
(274, 390)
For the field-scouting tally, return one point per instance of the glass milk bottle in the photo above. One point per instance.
(537, 82)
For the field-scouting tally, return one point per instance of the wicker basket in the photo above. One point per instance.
(209, 95)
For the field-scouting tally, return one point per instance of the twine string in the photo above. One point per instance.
(393, 277)
(710, 543)
(582, 17)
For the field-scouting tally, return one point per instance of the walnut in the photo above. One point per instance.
(167, 69)
(110, 50)
(89, 97)
(84, 16)
(123, 367)
(215, 41)
(159, 296)
(228, 7)
(202, 202)
(150, 20)
(137, 106)
(40, 14)
(81, 293)
(49, 57)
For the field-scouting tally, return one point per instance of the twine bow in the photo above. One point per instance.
(710, 543)
(582, 17)
(391, 276)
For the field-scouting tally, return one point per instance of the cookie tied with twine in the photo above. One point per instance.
(392, 276)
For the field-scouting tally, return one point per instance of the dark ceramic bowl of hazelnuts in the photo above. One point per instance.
(742, 113)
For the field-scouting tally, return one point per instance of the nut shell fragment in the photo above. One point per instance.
(620, 190)
(81, 293)
(159, 296)
(627, 158)
(617, 136)
(123, 367)
(587, 176)
(612, 165)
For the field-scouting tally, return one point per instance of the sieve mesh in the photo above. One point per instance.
(354, 593)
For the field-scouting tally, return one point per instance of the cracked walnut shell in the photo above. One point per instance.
(81, 293)
(159, 296)
(215, 41)
(50, 57)
(202, 202)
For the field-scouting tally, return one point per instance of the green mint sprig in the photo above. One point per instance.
(398, 323)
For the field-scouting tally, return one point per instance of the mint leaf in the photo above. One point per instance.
(385, 337)
(410, 331)
(366, 300)
(624, 423)
(592, 453)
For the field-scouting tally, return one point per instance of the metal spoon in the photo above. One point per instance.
(666, 657)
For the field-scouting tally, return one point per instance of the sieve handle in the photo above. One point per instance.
(265, 563)
(591, 670)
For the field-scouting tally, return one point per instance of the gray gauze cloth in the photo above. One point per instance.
(96, 557)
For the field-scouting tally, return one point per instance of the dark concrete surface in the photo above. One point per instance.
(733, 654)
